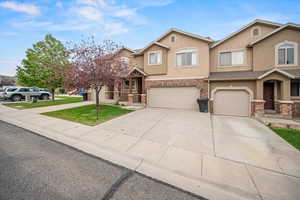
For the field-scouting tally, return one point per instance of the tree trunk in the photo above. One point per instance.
(97, 102)
(52, 92)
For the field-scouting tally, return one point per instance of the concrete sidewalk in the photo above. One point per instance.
(181, 148)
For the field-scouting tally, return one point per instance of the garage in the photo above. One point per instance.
(232, 102)
(177, 97)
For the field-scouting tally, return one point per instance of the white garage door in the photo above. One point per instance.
(178, 97)
(232, 102)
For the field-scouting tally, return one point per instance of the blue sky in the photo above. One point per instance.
(133, 23)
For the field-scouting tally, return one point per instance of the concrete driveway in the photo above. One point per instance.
(239, 155)
(215, 157)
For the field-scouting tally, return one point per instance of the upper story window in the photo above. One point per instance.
(173, 38)
(187, 57)
(231, 58)
(125, 60)
(286, 53)
(154, 57)
(255, 32)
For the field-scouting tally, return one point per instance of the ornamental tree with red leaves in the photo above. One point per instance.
(95, 65)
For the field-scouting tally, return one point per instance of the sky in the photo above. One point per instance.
(132, 23)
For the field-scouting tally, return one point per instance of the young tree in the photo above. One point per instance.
(44, 65)
(95, 65)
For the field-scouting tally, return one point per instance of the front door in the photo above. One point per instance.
(269, 95)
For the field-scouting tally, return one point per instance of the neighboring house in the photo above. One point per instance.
(7, 80)
(252, 71)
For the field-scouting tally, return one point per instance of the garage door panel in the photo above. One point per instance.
(232, 102)
(177, 97)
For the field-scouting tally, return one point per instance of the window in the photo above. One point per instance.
(255, 32)
(286, 54)
(295, 88)
(11, 89)
(125, 60)
(186, 57)
(173, 38)
(127, 84)
(24, 90)
(154, 58)
(231, 58)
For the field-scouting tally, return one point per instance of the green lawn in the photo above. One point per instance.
(87, 114)
(61, 100)
(290, 135)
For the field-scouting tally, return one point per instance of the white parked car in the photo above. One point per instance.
(20, 93)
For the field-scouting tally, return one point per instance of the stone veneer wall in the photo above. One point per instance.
(286, 109)
(257, 107)
(296, 109)
(202, 84)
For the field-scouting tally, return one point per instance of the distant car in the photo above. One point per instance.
(20, 93)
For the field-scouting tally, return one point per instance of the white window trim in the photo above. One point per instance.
(232, 50)
(259, 31)
(160, 56)
(295, 54)
(186, 50)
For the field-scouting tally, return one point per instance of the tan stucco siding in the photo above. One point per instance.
(264, 51)
(185, 42)
(251, 85)
(138, 61)
(134, 61)
(238, 42)
(156, 69)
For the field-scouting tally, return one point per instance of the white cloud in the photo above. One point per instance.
(101, 3)
(126, 12)
(90, 13)
(113, 28)
(8, 33)
(26, 8)
(59, 4)
(154, 3)
(50, 26)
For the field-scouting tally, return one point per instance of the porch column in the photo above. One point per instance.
(143, 95)
(130, 95)
(286, 90)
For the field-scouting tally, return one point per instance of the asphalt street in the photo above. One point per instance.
(36, 168)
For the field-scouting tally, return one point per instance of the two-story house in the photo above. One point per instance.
(252, 71)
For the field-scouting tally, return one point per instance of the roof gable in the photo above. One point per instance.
(156, 42)
(288, 25)
(276, 70)
(257, 21)
(150, 45)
